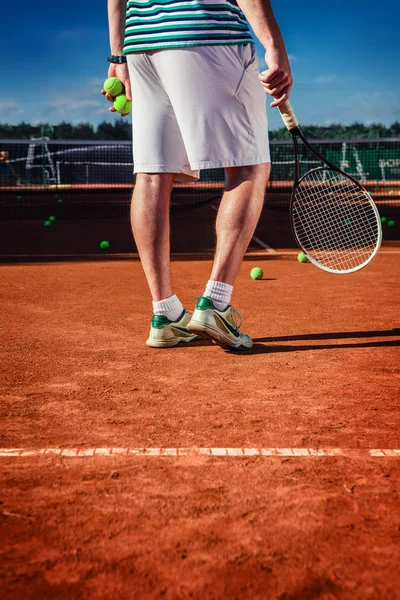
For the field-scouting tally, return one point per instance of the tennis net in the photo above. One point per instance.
(95, 179)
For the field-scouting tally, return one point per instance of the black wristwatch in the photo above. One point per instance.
(116, 59)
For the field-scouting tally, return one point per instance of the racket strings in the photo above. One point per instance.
(334, 220)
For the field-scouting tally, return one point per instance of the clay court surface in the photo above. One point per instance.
(304, 505)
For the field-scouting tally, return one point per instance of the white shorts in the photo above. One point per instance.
(199, 107)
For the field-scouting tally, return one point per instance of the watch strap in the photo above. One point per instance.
(116, 59)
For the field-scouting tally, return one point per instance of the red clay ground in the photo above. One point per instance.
(324, 372)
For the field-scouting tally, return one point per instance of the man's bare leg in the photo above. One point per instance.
(151, 230)
(237, 218)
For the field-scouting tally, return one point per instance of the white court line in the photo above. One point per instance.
(264, 245)
(220, 452)
(256, 239)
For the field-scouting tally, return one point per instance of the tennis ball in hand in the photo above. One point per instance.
(122, 104)
(113, 86)
(104, 245)
(391, 223)
(301, 257)
(256, 273)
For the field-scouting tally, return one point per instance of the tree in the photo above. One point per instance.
(120, 129)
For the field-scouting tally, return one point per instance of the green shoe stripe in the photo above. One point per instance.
(182, 329)
(233, 330)
(203, 303)
(158, 321)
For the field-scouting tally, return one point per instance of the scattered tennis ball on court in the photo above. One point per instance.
(391, 223)
(256, 273)
(52, 219)
(383, 219)
(59, 201)
(113, 86)
(47, 223)
(19, 197)
(122, 104)
(104, 245)
(301, 257)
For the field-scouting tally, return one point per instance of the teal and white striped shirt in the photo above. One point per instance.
(157, 24)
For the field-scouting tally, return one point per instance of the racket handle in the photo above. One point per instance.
(288, 116)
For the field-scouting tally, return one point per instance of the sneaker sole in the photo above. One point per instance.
(170, 343)
(214, 334)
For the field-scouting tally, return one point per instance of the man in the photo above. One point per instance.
(198, 102)
(8, 176)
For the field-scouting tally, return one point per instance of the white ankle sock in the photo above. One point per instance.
(219, 292)
(171, 308)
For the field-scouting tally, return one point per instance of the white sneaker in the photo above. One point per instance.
(221, 326)
(165, 333)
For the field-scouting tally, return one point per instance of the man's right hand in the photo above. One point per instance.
(121, 72)
(277, 79)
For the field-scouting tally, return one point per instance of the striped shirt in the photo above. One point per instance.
(157, 24)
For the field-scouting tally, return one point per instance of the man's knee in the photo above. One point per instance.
(255, 173)
(155, 181)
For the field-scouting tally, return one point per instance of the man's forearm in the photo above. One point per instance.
(116, 25)
(260, 15)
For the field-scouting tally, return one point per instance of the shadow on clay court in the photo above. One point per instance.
(332, 335)
(260, 348)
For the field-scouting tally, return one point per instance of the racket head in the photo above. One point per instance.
(334, 220)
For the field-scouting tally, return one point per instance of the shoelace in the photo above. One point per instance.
(237, 315)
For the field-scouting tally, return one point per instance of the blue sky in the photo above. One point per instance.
(344, 54)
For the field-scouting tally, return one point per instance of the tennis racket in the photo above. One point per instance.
(334, 219)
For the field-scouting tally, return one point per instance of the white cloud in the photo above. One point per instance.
(97, 82)
(70, 35)
(10, 108)
(73, 103)
(364, 107)
(329, 79)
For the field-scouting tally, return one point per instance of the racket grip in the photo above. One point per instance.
(288, 116)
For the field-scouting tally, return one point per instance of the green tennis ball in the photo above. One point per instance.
(347, 222)
(391, 223)
(301, 257)
(390, 192)
(256, 273)
(122, 105)
(104, 245)
(47, 223)
(113, 86)
(59, 201)
(383, 219)
(52, 219)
